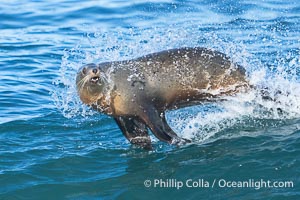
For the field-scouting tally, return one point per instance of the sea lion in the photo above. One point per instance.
(136, 93)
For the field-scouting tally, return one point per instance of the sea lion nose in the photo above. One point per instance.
(95, 70)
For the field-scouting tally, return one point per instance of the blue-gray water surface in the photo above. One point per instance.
(53, 147)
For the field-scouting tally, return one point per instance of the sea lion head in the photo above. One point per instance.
(90, 83)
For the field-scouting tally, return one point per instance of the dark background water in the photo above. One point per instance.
(52, 147)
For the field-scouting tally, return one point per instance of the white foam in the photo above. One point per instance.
(238, 110)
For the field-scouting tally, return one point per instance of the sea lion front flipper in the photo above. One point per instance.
(134, 130)
(157, 122)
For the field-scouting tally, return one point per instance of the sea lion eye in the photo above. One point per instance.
(84, 70)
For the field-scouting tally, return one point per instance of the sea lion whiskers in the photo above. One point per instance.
(81, 83)
(103, 78)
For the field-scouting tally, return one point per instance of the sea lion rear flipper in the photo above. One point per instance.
(157, 122)
(134, 130)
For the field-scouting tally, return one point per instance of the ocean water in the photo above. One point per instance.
(53, 147)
